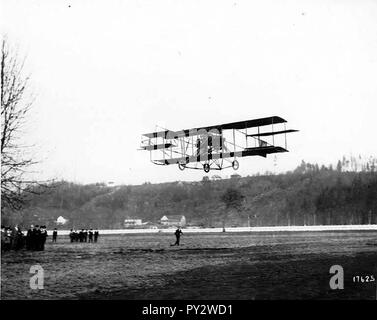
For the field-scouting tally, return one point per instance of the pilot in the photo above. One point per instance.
(198, 142)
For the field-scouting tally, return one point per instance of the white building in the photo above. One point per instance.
(132, 222)
(177, 221)
(61, 220)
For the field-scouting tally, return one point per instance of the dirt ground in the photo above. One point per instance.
(226, 265)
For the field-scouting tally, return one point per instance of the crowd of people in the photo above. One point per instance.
(36, 236)
(84, 235)
(12, 238)
(34, 239)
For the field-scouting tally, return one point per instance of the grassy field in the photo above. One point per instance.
(244, 266)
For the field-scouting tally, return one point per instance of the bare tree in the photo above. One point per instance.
(15, 105)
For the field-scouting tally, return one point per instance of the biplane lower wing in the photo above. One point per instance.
(158, 146)
(265, 134)
(258, 151)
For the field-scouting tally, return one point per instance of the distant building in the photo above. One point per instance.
(61, 220)
(235, 176)
(173, 221)
(132, 222)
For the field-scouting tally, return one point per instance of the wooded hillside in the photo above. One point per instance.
(310, 195)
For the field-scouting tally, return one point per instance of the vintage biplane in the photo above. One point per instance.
(216, 147)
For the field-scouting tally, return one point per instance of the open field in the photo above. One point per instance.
(263, 265)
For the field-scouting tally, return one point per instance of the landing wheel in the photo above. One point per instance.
(235, 165)
(181, 166)
(206, 167)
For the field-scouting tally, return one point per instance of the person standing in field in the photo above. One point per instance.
(29, 238)
(91, 235)
(2, 237)
(6, 240)
(55, 235)
(75, 236)
(36, 238)
(71, 235)
(96, 234)
(178, 234)
(18, 238)
(42, 238)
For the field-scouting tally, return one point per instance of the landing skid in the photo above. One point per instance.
(208, 166)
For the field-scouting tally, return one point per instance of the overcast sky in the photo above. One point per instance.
(107, 71)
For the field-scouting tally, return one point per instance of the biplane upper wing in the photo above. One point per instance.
(258, 151)
(253, 123)
(226, 126)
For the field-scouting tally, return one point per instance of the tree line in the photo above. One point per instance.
(308, 195)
